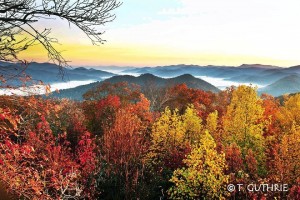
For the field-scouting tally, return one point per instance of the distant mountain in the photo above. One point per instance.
(245, 73)
(259, 66)
(286, 85)
(91, 72)
(51, 73)
(177, 70)
(257, 74)
(294, 69)
(226, 72)
(263, 77)
(143, 80)
(112, 68)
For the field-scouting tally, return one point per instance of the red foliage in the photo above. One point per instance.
(47, 151)
(271, 109)
(295, 191)
(108, 102)
(86, 153)
(234, 159)
(251, 164)
(182, 96)
(41, 158)
(174, 160)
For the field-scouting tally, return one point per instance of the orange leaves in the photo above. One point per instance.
(47, 89)
(271, 111)
(142, 110)
(125, 144)
(125, 140)
(8, 120)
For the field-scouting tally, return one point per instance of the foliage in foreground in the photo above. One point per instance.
(120, 147)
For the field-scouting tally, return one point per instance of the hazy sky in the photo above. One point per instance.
(204, 32)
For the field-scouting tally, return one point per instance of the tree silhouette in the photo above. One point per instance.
(18, 27)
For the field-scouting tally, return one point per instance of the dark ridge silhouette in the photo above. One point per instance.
(144, 81)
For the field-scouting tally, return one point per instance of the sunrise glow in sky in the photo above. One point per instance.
(203, 32)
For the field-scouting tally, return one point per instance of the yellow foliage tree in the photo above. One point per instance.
(192, 125)
(172, 131)
(212, 124)
(204, 176)
(171, 140)
(243, 122)
(168, 130)
(289, 114)
(287, 161)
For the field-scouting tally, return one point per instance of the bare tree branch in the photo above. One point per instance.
(18, 29)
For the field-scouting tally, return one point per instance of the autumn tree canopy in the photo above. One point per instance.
(114, 146)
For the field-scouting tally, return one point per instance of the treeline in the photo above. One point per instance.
(171, 143)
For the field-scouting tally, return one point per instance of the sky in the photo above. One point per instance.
(201, 32)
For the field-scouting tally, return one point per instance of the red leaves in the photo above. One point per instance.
(8, 120)
(8, 144)
(110, 101)
(86, 153)
(251, 163)
(32, 134)
(27, 149)
(181, 96)
(295, 190)
(38, 158)
(175, 160)
(234, 158)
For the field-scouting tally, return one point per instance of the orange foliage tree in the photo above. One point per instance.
(123, 148)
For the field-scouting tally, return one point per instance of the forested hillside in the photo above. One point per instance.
(180, 143)
(146, 82)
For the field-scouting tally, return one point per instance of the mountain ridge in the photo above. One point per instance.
(50, 73)
(142, 80)
(287, 85)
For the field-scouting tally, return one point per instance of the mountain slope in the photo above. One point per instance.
(245, 73)
(50, 73)
(286, 85)
(143, 80)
